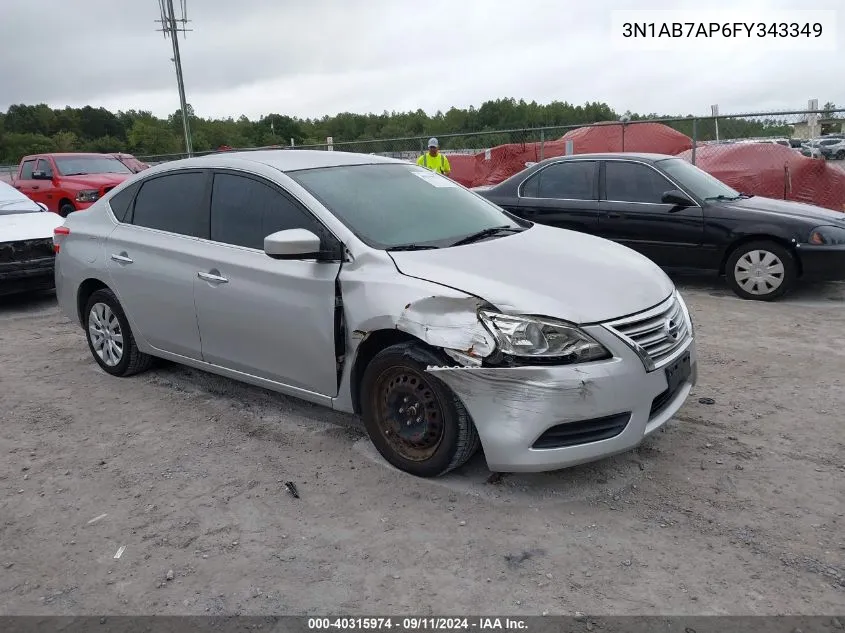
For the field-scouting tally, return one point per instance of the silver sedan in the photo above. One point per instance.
(376, 287)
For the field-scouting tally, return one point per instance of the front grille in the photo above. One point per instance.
(657, 333)
(26, 250)
(583, 432)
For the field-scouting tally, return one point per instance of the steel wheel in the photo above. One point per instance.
(759, 272)
(409, 414)
(106, 334)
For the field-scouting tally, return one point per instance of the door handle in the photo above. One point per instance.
(18, 187)
(614, 216)
(123, 259)
(36, 186)
(211, 278)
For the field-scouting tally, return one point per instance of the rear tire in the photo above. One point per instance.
(66, 208)
(414, 420)
(762, 270)
(840, 155)
(110, 337)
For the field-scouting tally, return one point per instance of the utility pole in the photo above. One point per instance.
(170, 29)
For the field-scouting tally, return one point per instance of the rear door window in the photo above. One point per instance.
(176, 203)
(572, 180)
(27, 169)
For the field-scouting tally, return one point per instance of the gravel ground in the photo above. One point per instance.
(737, 508)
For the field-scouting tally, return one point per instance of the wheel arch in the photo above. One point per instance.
(86, 289)
(373, 343)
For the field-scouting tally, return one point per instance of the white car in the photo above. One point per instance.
(26, 243)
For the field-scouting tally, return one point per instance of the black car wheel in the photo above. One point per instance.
(412, 418)
(762, 270)
(840, 155)
(66, 208)
(110, 338)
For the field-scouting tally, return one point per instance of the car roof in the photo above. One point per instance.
(283, 159)
(68, 154)
(644, 156)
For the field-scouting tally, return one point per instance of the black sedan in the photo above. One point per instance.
(682, 218)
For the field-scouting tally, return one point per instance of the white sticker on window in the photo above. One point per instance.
(435, 180)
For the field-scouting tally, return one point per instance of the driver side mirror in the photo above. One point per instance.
(676, 198)
(292, 244)
(41, 175)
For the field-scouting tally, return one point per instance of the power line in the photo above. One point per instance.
(171, 26)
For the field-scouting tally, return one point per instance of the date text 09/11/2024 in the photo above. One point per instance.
(417, 624)
(722, 29)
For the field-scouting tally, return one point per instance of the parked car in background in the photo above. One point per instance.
(26, 243)
(69, 182)
(832, 148)
(811, 149)
(682, 218)
(375, 286)
(131, 162)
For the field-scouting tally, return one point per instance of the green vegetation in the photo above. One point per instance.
(27, 129)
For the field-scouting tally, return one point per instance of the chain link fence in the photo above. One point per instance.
(763, 149)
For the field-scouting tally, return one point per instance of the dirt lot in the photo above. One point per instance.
(736, 508)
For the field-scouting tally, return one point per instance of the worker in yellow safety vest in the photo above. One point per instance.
(434, 160)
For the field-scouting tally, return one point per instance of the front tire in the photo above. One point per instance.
(414, 420)
(66, 208)
(110, 337)
(761, 271)
(840, 155)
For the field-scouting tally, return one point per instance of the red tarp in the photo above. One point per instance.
(769, 170)
(506, 160)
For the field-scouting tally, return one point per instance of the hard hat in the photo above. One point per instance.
(432, 142)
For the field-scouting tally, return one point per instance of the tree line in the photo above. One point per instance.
(29, 129)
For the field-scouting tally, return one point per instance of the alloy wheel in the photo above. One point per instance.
(106, 334)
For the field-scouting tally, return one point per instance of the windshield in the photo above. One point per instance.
(13, 201)
(696, 181)
(79, 165)
(393, 205)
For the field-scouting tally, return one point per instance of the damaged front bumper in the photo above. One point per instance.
(550, 417)
(26, 275)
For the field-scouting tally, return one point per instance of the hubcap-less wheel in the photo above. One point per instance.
(759, 272)
(106, 335)
(409, 415)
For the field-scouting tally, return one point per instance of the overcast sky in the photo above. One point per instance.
(314, 57)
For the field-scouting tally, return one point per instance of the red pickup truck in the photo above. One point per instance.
(69, 182)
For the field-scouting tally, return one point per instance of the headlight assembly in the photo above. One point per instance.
(827, 236)
(88, 196)
(543, 340)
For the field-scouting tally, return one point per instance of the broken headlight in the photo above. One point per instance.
(544, 340)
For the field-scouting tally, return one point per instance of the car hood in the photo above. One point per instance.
(790, 209)
(28, 226)
(96, 180)
(548, 272)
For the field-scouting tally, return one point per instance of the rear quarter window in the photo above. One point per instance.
(121, 202)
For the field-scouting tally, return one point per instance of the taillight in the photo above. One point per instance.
(58, 233)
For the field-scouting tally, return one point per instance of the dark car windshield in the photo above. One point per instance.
(81, 165)
(393, 205)
(695, 180)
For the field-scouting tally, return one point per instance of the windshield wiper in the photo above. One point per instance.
(723, 197)
(411, 247)
(480, 235)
